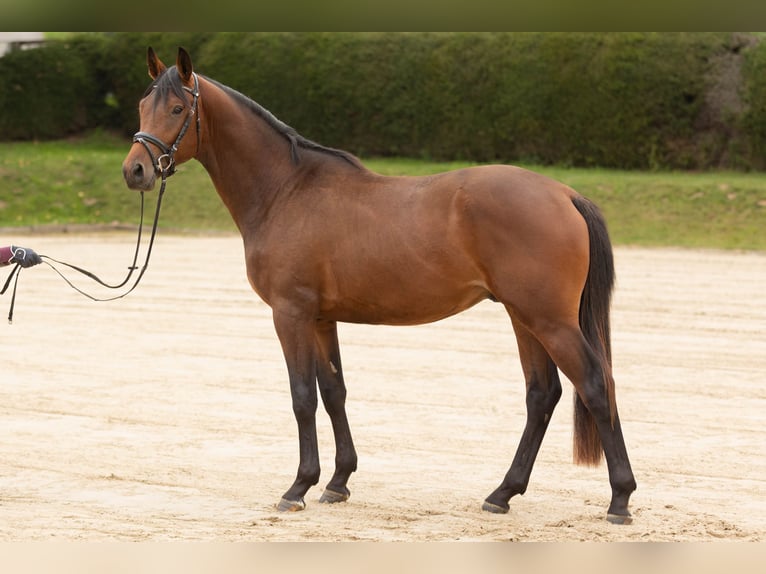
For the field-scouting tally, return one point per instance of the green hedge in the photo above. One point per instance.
(754, 118)
(619, 100)
(47, 92)
(638, 100)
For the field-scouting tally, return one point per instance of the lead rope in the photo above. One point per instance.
(165, 171)
(51, 262)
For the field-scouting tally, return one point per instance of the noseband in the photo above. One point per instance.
(164, 164)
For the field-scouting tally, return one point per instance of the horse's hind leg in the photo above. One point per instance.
(543, 393)
(333, 391)
(578, 361)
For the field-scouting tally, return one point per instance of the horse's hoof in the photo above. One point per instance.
(619, 518)
(331, 496)
(291, 505)
(494, 508)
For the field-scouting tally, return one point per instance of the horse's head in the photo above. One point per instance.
(168, 118)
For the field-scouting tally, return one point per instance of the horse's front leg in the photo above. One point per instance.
(297, 338)
(333, 390)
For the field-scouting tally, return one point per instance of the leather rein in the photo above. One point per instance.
(164, 166)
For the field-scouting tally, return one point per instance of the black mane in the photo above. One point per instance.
(171, 82)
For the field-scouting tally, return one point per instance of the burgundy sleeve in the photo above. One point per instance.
(5, 255)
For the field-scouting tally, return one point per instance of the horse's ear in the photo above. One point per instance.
(156, 67)
(184, 66)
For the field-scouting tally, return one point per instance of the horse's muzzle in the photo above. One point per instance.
(138, 175)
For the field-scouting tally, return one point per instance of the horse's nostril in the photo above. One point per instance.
(136, 175)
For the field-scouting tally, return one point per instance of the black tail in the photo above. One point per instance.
(595, 305)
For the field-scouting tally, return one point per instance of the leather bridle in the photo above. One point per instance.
(164, 164)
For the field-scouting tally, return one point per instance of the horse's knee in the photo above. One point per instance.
(304, 408)
(333, 393)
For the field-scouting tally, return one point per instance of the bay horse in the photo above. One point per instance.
(327, 240)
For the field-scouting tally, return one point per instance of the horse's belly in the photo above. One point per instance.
(397, 305)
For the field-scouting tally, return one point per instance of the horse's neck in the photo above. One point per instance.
(247, 160)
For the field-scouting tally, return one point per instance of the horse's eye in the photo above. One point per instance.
(177, 110)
